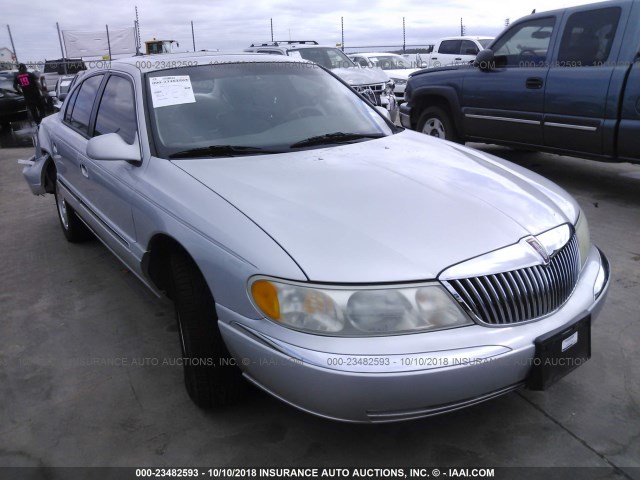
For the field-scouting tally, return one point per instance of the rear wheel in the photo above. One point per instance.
(210, 376)
(436, 122)
(74, 230)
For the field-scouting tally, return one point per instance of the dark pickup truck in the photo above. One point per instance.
(565, 81)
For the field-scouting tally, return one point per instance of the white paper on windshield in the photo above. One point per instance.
(295, 54)
(172, 90)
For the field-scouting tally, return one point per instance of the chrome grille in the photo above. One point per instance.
(376, 88)
(522, 295)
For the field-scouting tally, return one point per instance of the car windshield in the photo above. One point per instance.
(327, 57)
(390, 62)
(253, 108)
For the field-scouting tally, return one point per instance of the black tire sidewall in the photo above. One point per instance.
(211, 378)
(444, 118)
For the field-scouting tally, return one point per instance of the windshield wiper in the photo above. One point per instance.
(221, 151)
(333, 138)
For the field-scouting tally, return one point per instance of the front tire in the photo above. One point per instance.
(74, 230)
(436, 122)
(211, 378)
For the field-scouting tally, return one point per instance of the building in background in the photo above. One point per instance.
(7, 59)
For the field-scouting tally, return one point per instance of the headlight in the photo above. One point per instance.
(399, 81)
(584, 239)
(356, 312)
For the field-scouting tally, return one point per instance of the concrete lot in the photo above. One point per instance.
(69, 310)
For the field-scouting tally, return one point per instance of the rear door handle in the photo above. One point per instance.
(83, 169)
(458, 58)
(534, 83)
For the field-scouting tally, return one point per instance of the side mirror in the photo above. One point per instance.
(111, 146)
(485, 60)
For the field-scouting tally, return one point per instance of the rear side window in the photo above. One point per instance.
(81, 112)
(117, 112)
(70, 103)
(450, 47)
(588, 37)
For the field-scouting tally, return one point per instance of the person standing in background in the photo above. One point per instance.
(27, 83)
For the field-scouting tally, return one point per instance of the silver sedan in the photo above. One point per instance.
(351, 268)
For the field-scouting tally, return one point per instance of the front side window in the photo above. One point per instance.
(588, 37)
(81, 111)
(450, 47)
(256, 107)
(526, 44)
(117, 112)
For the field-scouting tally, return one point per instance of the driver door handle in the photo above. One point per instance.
(83, 169)
(534, 83)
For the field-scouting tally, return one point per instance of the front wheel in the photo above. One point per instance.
(210, 374)
(436, 122)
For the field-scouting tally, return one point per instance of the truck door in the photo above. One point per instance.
(448, 53)
(629, 130)
(578, 99)
(506, 103)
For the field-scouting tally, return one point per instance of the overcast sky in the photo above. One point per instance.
(235, 24)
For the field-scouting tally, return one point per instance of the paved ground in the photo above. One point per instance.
(67, 310)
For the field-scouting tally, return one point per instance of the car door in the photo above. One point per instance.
(70, 138)
(468, 52)
(111, 183)
(506, 103)
(576, 95)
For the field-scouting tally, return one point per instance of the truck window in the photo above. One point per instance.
(450, 47)
(526, 44)
(468, 48)
(587, 38)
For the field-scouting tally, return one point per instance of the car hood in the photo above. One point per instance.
(400, 208)
(361, 76)
(402, 73)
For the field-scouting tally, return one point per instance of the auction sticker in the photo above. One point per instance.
(172, 90)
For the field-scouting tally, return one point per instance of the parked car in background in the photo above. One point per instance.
(54, 69)
(12, 105)
(564, 81)
(63, 85)
(456, 51)
(396, 66)
(374, 84)
(314, 247)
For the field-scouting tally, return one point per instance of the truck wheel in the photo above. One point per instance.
(210, 375)
(74, 230)
(435, 122)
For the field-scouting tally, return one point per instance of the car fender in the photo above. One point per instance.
(426, 96)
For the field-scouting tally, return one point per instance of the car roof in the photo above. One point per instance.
(151, 63)
(375, 54)
(288, 45)
(468, 38)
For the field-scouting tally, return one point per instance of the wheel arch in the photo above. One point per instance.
(155, 262)
(443, 97)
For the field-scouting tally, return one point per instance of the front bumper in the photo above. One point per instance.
(34, 172)
(405, 115)
(393, 378)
